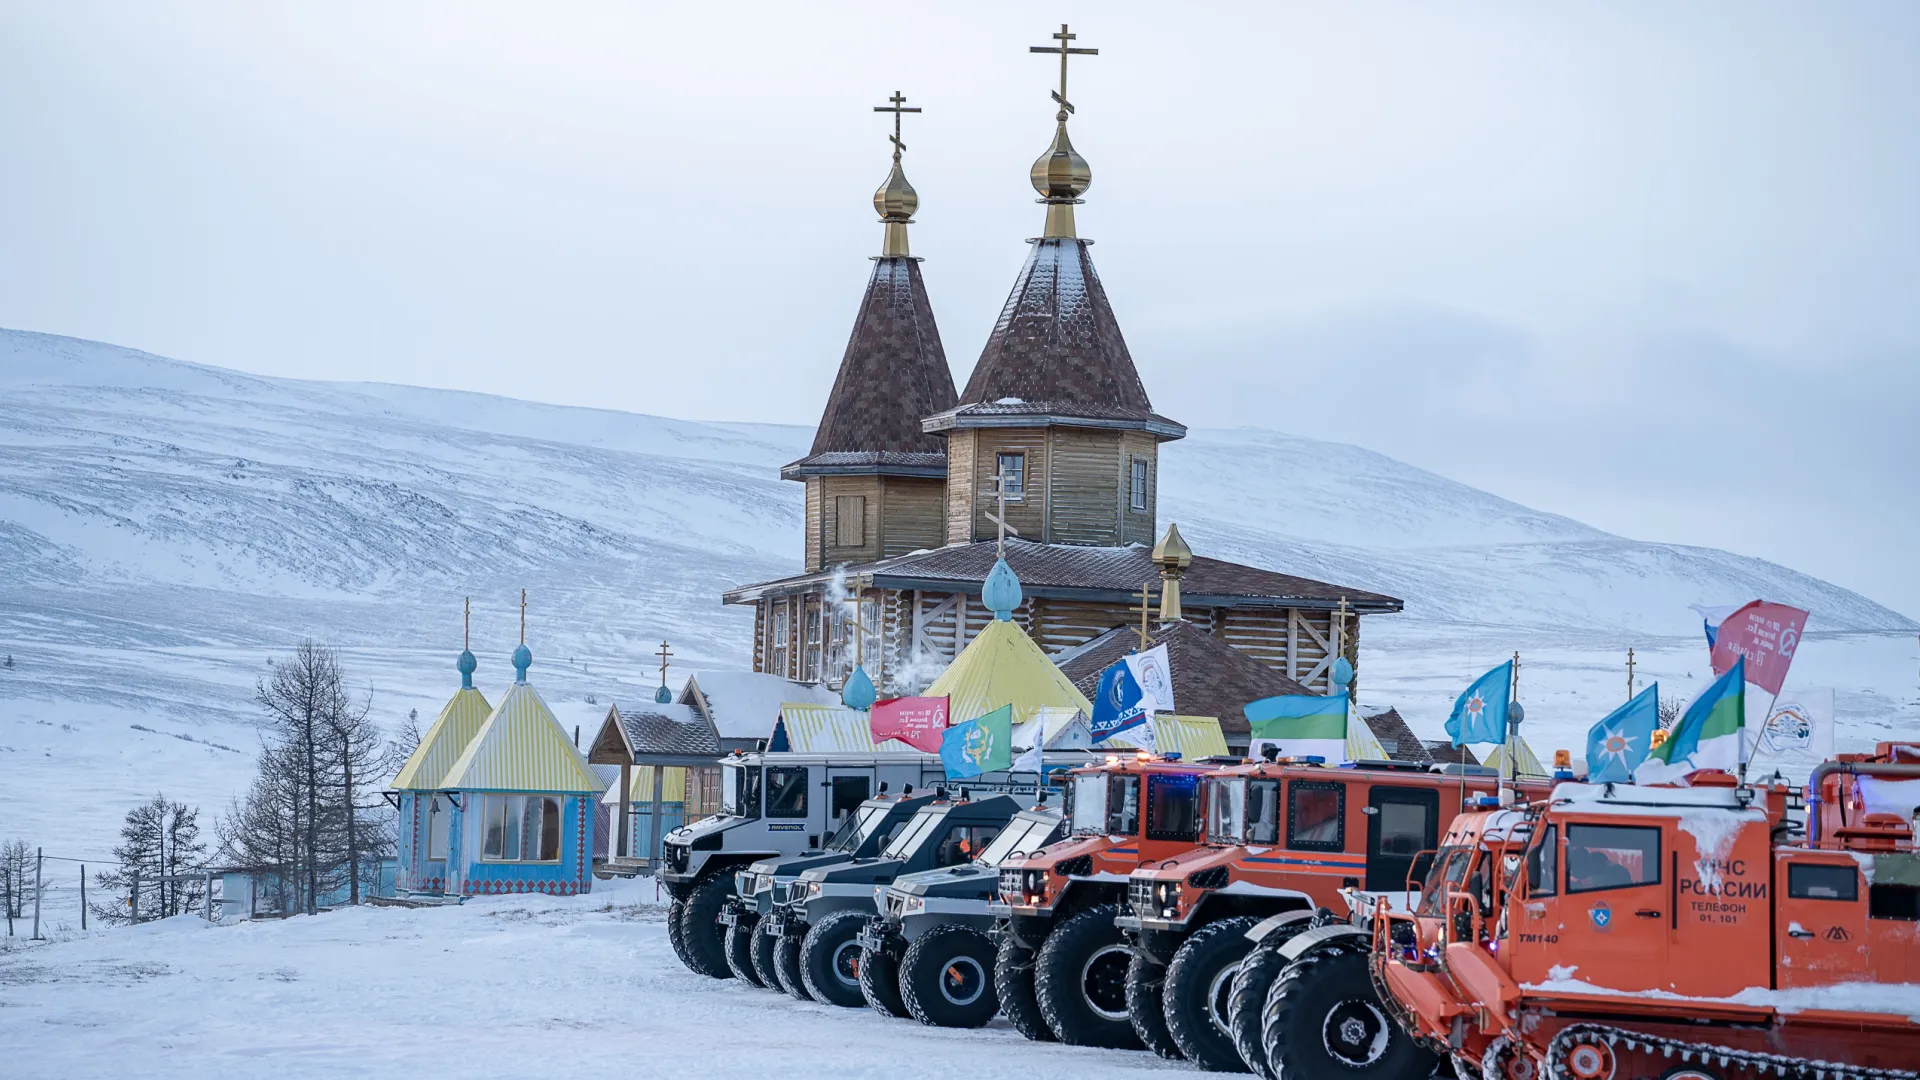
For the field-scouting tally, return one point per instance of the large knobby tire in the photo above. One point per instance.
(1199, 983)
(786, 966)
(1251, 984)
(762, 951)
(674, 911)
(740, 948)
(1145, 982)
(830, 959)
(1079, 981)
(701, 932)
(946, 978)
(880, 982)
(1013, 984)
(1324, 1018)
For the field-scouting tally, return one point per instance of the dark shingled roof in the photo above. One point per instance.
(1397, 739)
(1088, 573)
(893, 373)
(1058, 350)
(1210, 677)
(1446, 753)
(653, 732)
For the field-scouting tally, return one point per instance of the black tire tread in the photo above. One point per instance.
(1013, 983)
(739, 944)
(674, 911)
(826, 935)
(1054, 985)
(700, 929)
(762, 952)
(1183, 999)
(786, 966)
(937, 942)
(1250, 988)
(880, 983)
(1145, 1009)
(1295, 990)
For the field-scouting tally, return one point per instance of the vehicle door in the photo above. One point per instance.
(846, 788)
(1401, 823)
(1820, 922)
(1614, 908)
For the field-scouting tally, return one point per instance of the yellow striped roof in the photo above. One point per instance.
(441, 746)
(1362, 744)
(522, 748)
(1523, 756)
(1002, 666)
(823, 729)
(1191, 737)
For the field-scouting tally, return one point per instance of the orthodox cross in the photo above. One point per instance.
(1144, 593)
(466, 625)
(1629, 673)
(896, 109)
(1063, 37)
(663, 654)
(523, 616)
(1000, 519)
(859, 626)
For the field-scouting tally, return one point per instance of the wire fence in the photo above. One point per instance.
(54, 895)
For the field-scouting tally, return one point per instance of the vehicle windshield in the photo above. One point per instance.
(1227, 809)
(857, 828)
(740, 794)
(1173, 807)
(922, 824)
(1088, 797)
(1022, 835)
(1449, 868)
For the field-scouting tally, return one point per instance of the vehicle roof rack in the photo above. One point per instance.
(1394, 766)
(1457, 769)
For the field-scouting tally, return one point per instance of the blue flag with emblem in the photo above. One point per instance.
(981, 745)
(1617, 745)
(1119, 704)
(1480, 714)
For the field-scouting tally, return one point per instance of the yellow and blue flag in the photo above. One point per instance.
(981, 745)
(1480, 713)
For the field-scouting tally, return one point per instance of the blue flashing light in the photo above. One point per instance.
(1314, 759)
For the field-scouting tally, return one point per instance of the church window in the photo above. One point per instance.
(437, 816)
(810, 668)
(1139, 485)
(520, 828)
(850, 520)
(777, 650)
(1012, 471)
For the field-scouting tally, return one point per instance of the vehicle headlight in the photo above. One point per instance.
(1166, 896)
(913, 905)
(1034, 888)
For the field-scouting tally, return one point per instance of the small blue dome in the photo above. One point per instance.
(1342, 675)
(663, 696)
(1001, 593)
(466, 664)
(522, 660)
(858, 693)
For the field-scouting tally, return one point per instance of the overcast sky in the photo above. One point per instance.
(1655, 266)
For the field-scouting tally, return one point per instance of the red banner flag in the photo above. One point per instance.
(1767, 635)
(920, 722)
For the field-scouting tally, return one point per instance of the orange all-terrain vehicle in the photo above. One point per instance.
(1621, 933)
(1284, 839)
(1062, 967)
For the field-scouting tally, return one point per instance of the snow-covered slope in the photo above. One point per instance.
(165, 526)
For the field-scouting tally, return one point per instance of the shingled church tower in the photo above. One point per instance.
(876, 481)
(1055, 408)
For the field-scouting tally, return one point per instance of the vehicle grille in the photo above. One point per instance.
(896, 906)
(677, 857)
(780, 889)
(1010, 886)
(1140, 895)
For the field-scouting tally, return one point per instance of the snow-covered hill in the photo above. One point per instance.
(166, 526)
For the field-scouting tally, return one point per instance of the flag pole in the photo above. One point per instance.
(1512, 773)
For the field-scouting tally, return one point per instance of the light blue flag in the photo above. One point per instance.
(981, 745)
(1117, 704)
(1480, 714)
(1617, 745)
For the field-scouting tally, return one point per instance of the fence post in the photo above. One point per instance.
(39, 860)
(209, 895)
(83, 896)
(135, 902)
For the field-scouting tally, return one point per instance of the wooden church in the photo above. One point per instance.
(908, 483)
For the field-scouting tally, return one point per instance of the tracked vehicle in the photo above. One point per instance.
(1283, 840)
(764, 884)
(927, 955)
(816, 949)
(1623, 932)
(1061, 967)
(772, 805)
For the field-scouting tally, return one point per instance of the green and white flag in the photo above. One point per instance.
(1708, 736)
(1300, 726)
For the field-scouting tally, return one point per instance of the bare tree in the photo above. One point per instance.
(357, 756)
(16, 877)
(298, 698)
(1669, 712)
(160, 847)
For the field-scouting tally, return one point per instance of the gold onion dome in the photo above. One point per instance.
(896, 200)
(1061, 174)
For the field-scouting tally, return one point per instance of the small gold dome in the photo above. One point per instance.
(1061, 174)
(896, 200)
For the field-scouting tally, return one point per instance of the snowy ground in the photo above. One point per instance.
(497, 987)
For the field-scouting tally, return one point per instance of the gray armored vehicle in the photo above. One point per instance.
(772, 805)
(928, 954)
(763, 885)
(817, 948)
